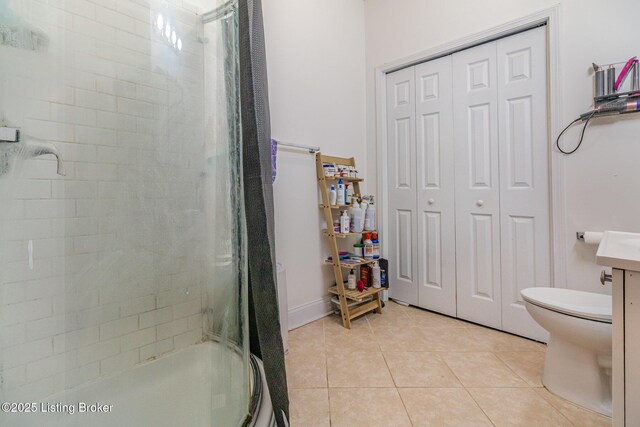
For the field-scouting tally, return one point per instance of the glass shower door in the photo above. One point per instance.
(122, 267)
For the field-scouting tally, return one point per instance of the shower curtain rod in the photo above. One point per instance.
(312, 150)
(219, 12)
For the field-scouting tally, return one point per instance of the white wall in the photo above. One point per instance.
(315, 59)
(601, 178)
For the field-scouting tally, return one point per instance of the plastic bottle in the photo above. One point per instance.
(368, 246)
(336, 225)
(351, 283)
(376, 245)
(356, 217)
(370, 217)
(375, 275)
(333, 196)
(340, 193)
(349, 192)
(344, 223)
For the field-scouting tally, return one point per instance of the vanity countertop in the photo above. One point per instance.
(619, 250)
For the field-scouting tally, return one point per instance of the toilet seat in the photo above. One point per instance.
(585, 305)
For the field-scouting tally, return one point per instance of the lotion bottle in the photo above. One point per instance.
(351, 283)
(341, 192)
(344, 223)
(333, 196)
(375, 275)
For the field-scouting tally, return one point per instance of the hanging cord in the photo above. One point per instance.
(584, 128)
(581, 134)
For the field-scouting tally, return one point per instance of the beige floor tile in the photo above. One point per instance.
(577, 415)
(450, 339)
(309, 407)
(388, 319)
(492, 340)
(311, 331)
(517, 407)
(427, 319)
(420, 369)
(482, 369)
(367, 407)
(349, 341)
(392, 306)
(529, 365)
(442, 407)
(306, 369)
(334, 323)
(404, 339)
(358, 369)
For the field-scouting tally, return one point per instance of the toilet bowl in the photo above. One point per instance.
(578, 361)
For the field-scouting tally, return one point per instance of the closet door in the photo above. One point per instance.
(435, 187)
(524, 175)
(401, 155)
(477, 185)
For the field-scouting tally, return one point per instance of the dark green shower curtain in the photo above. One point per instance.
(266, 341)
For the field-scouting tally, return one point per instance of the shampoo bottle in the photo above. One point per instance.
(344, 223)
(370, 217)
(376, 245)
(375, 275)
(340, 193)
(368, 246)
(349, 192)
(333, 196)
(351, 283)
(356, 217)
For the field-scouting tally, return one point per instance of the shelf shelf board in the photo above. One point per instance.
(334, 206)
(344, 235)
(356, 295)
(344, 178)
(352, 265)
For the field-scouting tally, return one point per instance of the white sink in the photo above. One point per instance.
(619, 250)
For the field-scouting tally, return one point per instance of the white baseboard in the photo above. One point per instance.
(309, 312)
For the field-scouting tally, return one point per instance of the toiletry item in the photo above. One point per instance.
(598, 78)
(368, 246)
(383, 278)
(376, 245)
(370, 217)
(624, 72)
(351, 282)
(329, 170)
(365, 275)
(349, 192)
(344, 223)
(340, 193)
(336, 225)
(357, 219)
(360, 285)
(635, 77)
(375, 275)
(358, 250)
(333, 196)
(611, 81)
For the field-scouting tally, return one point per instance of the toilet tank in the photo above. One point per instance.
(283, 305)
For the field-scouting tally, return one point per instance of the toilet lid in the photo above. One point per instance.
(587, 305)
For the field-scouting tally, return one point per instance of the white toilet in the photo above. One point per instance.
(578, 361)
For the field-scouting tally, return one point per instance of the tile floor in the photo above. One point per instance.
(414, 367)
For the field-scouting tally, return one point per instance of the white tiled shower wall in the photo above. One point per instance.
(115, 277)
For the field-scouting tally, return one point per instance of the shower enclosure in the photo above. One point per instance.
(123, 291)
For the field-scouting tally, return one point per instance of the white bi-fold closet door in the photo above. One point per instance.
(468, 163)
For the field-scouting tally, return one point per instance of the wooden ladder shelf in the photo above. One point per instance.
(343, 293)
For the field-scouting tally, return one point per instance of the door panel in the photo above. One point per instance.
(436, 186)
(524, 181)
(402, 183)
(477, 191)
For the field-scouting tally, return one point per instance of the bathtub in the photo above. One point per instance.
(201, 385)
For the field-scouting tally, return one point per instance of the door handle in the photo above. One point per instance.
(480, 203)
(431, 201)
(604, 277)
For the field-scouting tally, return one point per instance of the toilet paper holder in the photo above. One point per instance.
(580, 235)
